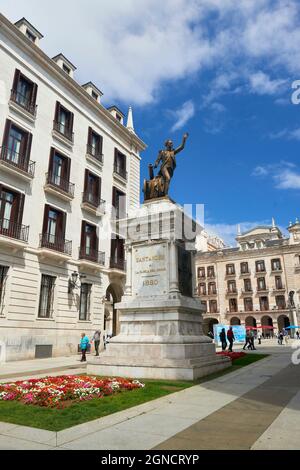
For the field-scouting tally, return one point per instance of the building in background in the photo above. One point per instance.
(256, 284)
(65, 161)
(208, 242)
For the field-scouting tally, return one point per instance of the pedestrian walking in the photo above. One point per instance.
(96, 338)
(222, 337)
(84, 343)
(286, 337)
(280, 338)
(259, 338)
(231, 338)
(297, 334)
(247, 340)
(252, 346)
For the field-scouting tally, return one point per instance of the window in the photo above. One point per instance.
(16, 146)
(201, 272)
(276, 264)
(92, 189)
(95, 95)
(247, 285)
(59, 171)
(280, 302)
(63, 121)
(119, 203)
(85, 298)
(95, 144)
(204, 303)
(264, 303)
(11, 214)
(278, 282)
(231, 286)
(213, 306)
(248, 304)
(202, 288)
(120, 164)
(66, 69)
(118, 117)
(117, 259)
(233, 306)
(244, 268)
(212, 288)
(260, 266)
(24, 92)
(89, 242)
(30, 35)
(46, 296)
(54, 225)
(3, 276)
(230, 269)
(261, 283)
(211, 271)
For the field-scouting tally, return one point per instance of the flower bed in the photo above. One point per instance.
(232, 355)
(55, 392)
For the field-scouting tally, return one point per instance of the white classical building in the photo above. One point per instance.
(256, 284)
(65, 160)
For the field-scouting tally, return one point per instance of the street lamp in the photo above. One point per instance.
(73, 284)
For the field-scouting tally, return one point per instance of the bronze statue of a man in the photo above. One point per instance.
(168, 161)
(158, 186)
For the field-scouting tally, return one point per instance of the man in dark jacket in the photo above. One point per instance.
(96, 339)
(231, 338)
(222, 337)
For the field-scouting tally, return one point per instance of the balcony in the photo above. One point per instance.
(91, 258)
(262, 290)
(52, 246)
(94, 156)
(62, 133)
(13, 234)
(59, 186)
(247, 291)
(277, 289)
(120, 173)
(245, 273)
(230, 274)
(16, 164)
(211, 277)
(231, 291)
(261, 272)
(276, 270)
(93, 204)
(118, 264)
(22, 105)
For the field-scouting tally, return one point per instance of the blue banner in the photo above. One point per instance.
(239, 332)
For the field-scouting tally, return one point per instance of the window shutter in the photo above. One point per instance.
(34, 94)
(114, 196)
(28, 147)
(100, 144)
(16, 79)
(99, 187)
(63, 224)
(86, 179)
(116, 156)
(57, 110)
(46, 215)
(71, 122)
(51, 160)
(20, 208)
(83, 226)
(68, 168)
(6, 132)
(90, 133)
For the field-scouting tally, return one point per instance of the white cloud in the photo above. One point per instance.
(289, 134)
(131, 48)
(183, 115)
(262, 84)
(284, 174)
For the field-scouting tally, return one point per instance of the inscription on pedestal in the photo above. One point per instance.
(150, 274)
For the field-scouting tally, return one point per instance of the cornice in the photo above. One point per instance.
(35, 53)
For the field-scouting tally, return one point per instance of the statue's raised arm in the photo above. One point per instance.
(181, 147)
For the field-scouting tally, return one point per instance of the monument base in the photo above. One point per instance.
(159, 340)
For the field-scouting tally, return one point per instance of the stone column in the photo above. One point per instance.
(173, 267)
(128, 285)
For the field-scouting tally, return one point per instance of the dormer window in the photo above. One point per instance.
(117, 114)
(64, 64)
(66, 69)
(30, 35)
(93, 91)
(95, 96)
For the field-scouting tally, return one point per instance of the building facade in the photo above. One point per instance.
(66, 165)
(256, 284)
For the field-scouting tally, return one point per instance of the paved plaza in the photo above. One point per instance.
(256, 407)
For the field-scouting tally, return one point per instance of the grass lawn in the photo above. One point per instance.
(77, 413)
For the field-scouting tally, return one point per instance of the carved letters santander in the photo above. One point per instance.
(150, 274)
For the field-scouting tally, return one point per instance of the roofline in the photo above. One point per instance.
(65, 58)
(92, 85)
(35, 51)
(117, 109)
(31, 26)
(269, 227)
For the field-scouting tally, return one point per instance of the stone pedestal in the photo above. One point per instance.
(161, 332)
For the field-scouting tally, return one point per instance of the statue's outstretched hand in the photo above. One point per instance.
(186, 135)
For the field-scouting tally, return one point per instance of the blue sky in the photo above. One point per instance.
(220, 69)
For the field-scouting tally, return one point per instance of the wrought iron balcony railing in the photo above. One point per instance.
(60, 183)
(56, 243)
(120, 171)
(117, 263)
(17, 161)
(11, 229)
(93, 255)
(23, 101)
(64, 130)
(90, 150)
(95, 201)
